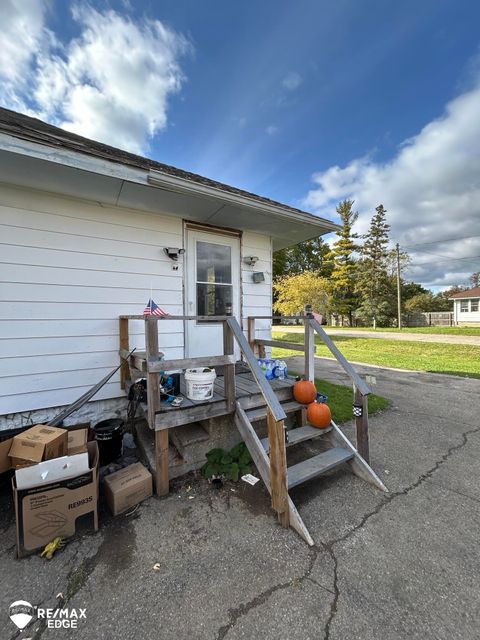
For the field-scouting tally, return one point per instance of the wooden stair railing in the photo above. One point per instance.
(277, 466)
(361, 390)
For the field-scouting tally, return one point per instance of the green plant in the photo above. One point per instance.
(231, 464)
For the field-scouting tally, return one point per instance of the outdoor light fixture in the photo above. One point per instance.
(251, 260)
(173, 253)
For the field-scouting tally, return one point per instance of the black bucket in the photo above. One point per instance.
(109, 434)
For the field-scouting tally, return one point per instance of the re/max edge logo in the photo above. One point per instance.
(22, 613)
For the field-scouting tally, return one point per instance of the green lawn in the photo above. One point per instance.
(449, 331)
(340, 399)
(456, 359)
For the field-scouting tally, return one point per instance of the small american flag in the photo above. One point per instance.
(153, 309)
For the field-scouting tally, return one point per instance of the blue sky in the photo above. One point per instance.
(304, 102)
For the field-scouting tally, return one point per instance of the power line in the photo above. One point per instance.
(419, 264)
(421, 244)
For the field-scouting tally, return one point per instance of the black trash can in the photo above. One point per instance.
(109, 434)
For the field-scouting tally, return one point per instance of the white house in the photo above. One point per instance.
(466, 307)
(87, 231)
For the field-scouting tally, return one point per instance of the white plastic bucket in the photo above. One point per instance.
(200, 383)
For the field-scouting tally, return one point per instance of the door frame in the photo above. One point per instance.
(190, 271)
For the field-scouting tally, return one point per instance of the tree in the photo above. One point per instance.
(310, 255)
(475, 279)
(410, 289)
(421, 303)
(343, 295)
(293, 292)
(373, 282)
(443, 302)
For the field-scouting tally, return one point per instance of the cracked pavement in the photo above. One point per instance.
(405, 564)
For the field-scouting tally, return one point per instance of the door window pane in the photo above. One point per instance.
(214, 299)
(214, 263)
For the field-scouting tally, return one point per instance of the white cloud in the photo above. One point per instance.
(431, 189)
(271, 130)
(111, 83)
(22, 34)
(292, 81)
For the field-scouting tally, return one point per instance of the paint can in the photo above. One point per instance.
(199, 383)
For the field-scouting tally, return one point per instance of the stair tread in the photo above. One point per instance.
(316, 466)
(261, 412)
(300, 434)
(188, 434)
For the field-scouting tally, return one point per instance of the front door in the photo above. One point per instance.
(212, 289)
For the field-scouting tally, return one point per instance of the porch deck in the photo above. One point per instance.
(247, 393)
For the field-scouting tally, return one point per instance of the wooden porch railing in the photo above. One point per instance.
(361, 390)
(232, 333)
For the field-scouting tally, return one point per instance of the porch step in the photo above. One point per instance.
(318, 465)
(189, 435)
(299, 435)
(261, 412)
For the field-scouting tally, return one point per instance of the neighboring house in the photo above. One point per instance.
(466, 306)
(87, 231)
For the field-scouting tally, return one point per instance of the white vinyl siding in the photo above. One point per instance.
(68, 269)
(257, 298)
(467, 310)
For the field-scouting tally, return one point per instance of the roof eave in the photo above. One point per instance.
(181, 185)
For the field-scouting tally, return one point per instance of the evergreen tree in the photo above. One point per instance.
(373, 283)
(343, 295)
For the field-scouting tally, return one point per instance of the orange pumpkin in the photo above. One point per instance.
(319, 415)
(304, 391)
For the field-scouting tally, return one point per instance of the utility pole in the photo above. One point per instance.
(399, 293)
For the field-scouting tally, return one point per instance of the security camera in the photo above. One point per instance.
(173, 252)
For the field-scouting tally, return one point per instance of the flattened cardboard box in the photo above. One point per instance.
(77, 441)
(50, 511)
(5, 462)
(38, 443)
(127, 487)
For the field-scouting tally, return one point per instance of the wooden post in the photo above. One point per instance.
(124, 344)
(361, 423)
(309, 350)
(278, 469)
(251, 333)
(229, 369)
(153, 391)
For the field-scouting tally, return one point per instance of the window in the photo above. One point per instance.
(463, 306)
(473, 305)
(214, 279)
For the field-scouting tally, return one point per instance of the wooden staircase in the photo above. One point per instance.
(340, 452)
(269, 454)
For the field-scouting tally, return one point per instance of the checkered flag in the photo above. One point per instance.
(357, 410)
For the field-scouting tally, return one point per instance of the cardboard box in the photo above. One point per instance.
(127, 487)
(5, 462)
(50, 471)
(38, 443)
(56, 509)
(77, 441)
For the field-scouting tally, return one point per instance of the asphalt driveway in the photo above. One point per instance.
(385, 566)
